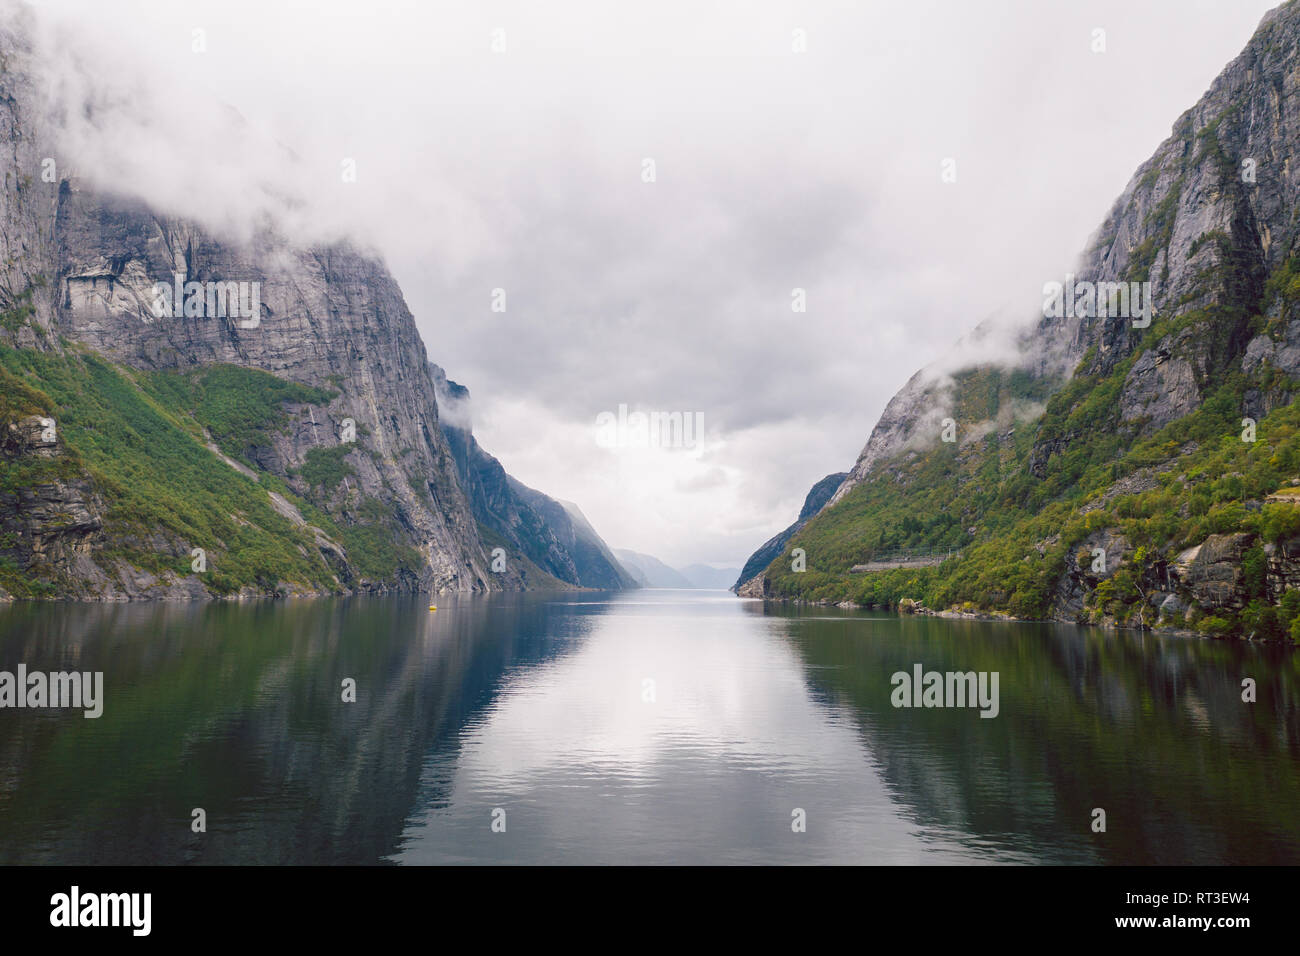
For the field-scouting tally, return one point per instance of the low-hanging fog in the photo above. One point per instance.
(522, 168)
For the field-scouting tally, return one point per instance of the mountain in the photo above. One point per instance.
(184, 415)
(1128, 466)
(650, 572)
(773, 547)
(552, 536)
(595, 560)
(709, 578)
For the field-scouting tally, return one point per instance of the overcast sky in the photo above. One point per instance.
(774, 170)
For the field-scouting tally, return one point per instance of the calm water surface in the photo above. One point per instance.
(643, 727)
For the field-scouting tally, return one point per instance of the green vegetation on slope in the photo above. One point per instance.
(240, 407)
(325, 468)
(139, 438)
(164, 491)
(1027, 529)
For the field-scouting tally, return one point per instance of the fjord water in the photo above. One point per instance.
(641, 727)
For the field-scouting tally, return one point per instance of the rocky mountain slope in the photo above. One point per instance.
(270, 428)
(774, 546)
(552, 535)
(1132, 468)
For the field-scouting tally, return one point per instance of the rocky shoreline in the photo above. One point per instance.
(909, 607)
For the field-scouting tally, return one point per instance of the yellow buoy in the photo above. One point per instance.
(433, 607)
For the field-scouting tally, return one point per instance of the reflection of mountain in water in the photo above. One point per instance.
(1151, 729)
(536, 704)
(238, 710)
(711, 769)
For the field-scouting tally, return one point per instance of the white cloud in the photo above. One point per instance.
(522, 170)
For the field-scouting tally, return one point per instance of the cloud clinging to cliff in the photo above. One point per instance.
(521, 170)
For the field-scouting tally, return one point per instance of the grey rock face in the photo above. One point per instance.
(27, 214)
(540, 528)
(85, 266)
(53, 522)
(1188, 207)
(1205, 221)
(1161, 388)
(1211, 571)
(1171, 606)
(596, 565)
(32, 435)
(1088, 569)
(1283, 568)
(329, 317)
(913, 415)
(1069, 596)
(1264, 355)
(1042, 453)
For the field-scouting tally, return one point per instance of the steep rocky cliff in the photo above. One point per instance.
(223, 416)
(553, 535)
(1174, 396)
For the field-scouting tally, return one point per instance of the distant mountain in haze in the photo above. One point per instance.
(709, 578)
(650, 572)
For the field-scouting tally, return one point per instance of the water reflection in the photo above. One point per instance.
(656, 726)
(678, 731)
(1151, 729)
